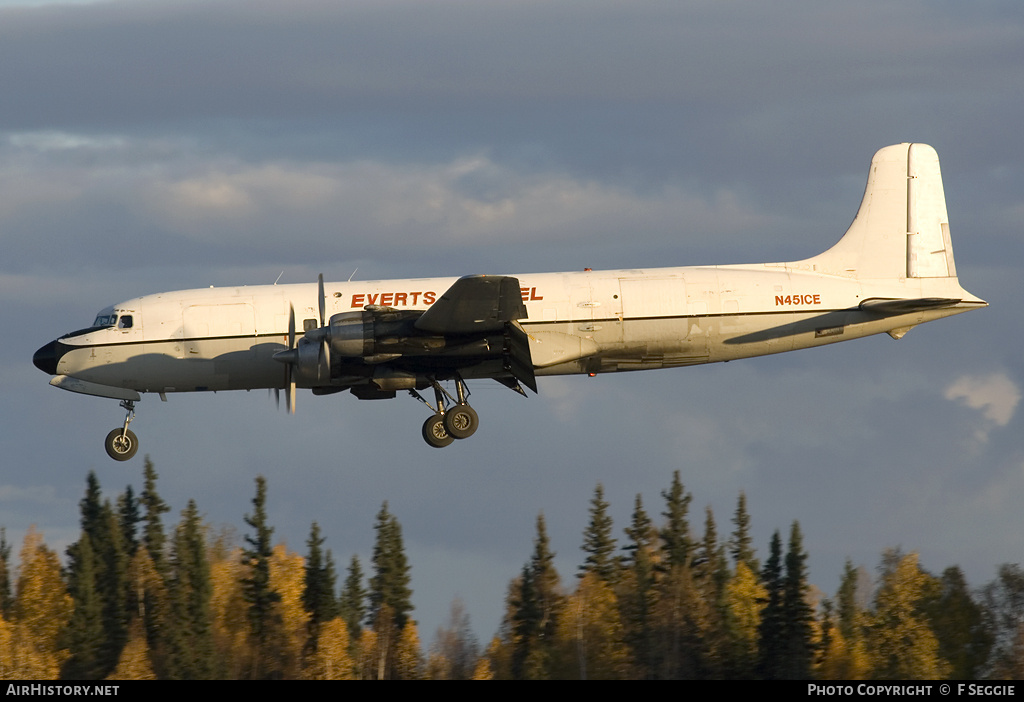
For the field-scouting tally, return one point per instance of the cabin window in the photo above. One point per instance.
(125, 322)
(309, 324)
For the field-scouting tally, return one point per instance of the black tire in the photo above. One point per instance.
(461, 421)
(121, 445)
(434, 432)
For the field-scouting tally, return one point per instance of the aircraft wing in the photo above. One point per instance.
(481, 304)
(475, 304)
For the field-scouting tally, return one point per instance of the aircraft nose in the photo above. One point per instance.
(46, 358)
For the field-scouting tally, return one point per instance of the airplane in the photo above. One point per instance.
(891, 271)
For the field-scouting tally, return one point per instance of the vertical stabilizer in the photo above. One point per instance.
(901, 230)
(929, 251)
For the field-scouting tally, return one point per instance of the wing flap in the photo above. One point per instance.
(518, 358)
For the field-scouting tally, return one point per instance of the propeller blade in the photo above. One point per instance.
(323, 302)
(291, 326)
(290, 397)
(324, 362)
(289, 376)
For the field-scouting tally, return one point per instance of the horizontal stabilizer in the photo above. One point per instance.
(888, 307)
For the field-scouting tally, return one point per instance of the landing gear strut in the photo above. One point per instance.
(458, 421)
(121, 444)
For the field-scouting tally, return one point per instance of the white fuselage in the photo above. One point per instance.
(580, 322)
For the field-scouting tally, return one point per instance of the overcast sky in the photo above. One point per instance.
(153, 145)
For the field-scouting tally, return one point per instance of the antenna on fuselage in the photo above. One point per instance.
(279, 277)
(353, 274)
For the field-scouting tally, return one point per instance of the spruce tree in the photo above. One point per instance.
(318, 596)
(6, 596)
(84, 636)
(771, 630)
(193, 654)
(740, 542)
(639, 596)
(598, 542)
(847, 610)
(352, 603)
(129, 518)
(798, 618)
(153, 534)
(256, 588)
(107, 572)
(960, 624)
(675, 535)
(389, 585)
(536, 608)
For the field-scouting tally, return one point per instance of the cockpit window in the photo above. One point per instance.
(125, 322)
(105, 320)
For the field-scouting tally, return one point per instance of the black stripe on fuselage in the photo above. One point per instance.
(524, 323)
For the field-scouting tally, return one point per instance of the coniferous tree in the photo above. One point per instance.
(846, 603)
(155, 606)
(711, 571)
(741, 546)
(390, 582)
(107, 588)
(771, 631)
(352, 603)
(129, 518)
(598, 542)
(6, 597)
(798, 652)
(318, 596)
(638, 597)
(192, 637)
(675, 535)
(84, 637)
(256, 587)
(1004, 602)
(536, 606)
(390, 596)
(153, 534)
(960, 625)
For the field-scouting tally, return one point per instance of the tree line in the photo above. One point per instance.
(136, 600)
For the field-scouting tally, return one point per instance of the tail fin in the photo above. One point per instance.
(901, 230)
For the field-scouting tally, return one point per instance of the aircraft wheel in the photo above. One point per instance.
(434, 432)
(121, 445)
(461, 421)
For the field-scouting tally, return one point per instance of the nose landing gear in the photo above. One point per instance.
(121, 444)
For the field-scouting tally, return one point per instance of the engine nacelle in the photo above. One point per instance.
(351, 334)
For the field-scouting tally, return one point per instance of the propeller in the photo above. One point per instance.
(289, 373)
(290, 356)
(325, 349)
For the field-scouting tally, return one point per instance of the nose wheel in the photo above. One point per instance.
(121, 444)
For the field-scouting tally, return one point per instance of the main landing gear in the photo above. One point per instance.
(449, 422)
(121, 444)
